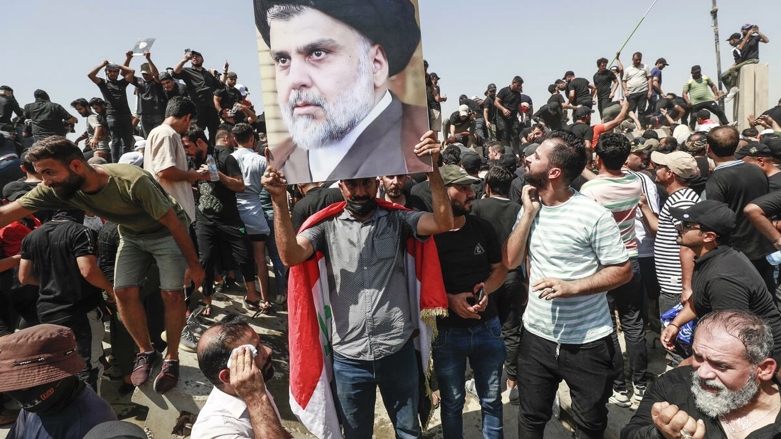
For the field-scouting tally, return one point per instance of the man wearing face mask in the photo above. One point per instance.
(38, 368)
(231, 356)
(370, 290)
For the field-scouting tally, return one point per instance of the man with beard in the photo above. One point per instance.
(723, 277)
(218, 224)
(96, 133)
(371, 319)
(471, 259)
(567, 322)
(731, 389)
(637, 84)
(38, 368)
(201, 85)
(151, 100)
(118, 115)
(393, 188)
(332, 65)
(232, 357)
(152, 225)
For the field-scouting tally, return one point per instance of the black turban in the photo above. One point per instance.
(389, 23)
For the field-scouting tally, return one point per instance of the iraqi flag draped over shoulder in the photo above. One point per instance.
(309, 324)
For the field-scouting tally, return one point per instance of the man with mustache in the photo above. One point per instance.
(393, 188)
(575, 256)
(232, 357)
(731, 390)
(333, 61)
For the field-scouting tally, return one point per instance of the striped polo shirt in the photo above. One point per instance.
(571, 241)
(666, 249)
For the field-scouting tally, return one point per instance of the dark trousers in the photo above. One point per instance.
(637, 102)
(215, 242)
(586, 368)
(121, 128)
(711, 106)
(602, 103)
(207, 118)
(510, 303)
(150, 122)
(507, 131)
(628, 301)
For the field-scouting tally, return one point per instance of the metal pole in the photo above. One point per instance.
(714, 13)
(633, 32)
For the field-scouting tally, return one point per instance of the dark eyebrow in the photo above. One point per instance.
(314, 45)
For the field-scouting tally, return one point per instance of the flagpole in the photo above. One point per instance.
(635, 29)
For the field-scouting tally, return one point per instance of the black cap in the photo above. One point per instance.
(6, 88)
(755, 149)
(696, 68)
(14, 190)
(569, 73)
(434, 75)
(508, 161)
(662, 61)
(518, 79)
(116, 430)
(703, 114)
(773, 144)
(735, 36)
(165, 75)
(711, 214)
(582, 112)
(492, 87)
(371, 18)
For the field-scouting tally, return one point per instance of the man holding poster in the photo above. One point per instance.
(333, 60)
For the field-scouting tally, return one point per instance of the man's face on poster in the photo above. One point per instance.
(328, 76)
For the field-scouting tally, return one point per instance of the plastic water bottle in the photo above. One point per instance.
(774, 258)
(212, 165)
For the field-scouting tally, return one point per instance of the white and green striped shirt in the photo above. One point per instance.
(571, 241)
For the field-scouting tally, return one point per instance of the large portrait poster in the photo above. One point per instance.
(343, 87)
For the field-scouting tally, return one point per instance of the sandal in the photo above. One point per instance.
(251, 305)
(266, 309)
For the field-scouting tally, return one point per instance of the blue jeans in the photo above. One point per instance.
(356, 383)
(484, 347)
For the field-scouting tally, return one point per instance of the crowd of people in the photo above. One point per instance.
(522, 252)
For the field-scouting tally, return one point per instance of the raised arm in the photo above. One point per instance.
(178, 67)
(152, 67)
(441, 220)
(93, 74)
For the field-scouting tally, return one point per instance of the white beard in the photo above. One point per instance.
(341, 115)
(725, 401)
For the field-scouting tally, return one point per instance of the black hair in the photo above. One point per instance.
(57, 148)
(179, 107)
(214, 354)
(750, 132)
(499, 179)
(723, 141)
(97, 101)
(496, 145)
(568, 154)
(196, 133)
(637, 54)
(613, 149)
(650, 134)
(601, 60)
(452, 155)
(80, 101)
(242, 132)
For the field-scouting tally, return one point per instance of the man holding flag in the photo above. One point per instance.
(362, 306)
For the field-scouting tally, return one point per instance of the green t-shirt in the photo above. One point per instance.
(131, 198)
(699, 90)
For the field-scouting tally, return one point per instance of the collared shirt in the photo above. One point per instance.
(323, 161)
(225, 416)
(369, 297)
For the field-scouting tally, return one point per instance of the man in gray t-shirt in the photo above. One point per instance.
(373, 324)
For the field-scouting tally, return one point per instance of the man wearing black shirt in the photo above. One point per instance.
(316, 197)
(508, 102)
(737, 183)
(8, 105)
(118, 115)
(61, 257)
(171, 88)
(200, 86)
(393, 190)
(582, 126)
(580, 92)
(766, 155)
(47, 117)
(746, 51)
(606, 84)
(511, 296)
(218, 224)
(471, 260)
(489, 112)
(150, 93)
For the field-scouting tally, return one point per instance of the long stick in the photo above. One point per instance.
(714, 12)
(633, 32)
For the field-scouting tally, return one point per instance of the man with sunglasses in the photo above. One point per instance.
(723, 277)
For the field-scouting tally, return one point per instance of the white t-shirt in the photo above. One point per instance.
(164, 149)
(636, 78)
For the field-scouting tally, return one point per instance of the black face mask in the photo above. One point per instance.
(48, 398)
(362, 209)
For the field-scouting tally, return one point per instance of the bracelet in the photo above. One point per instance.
(673, 324)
